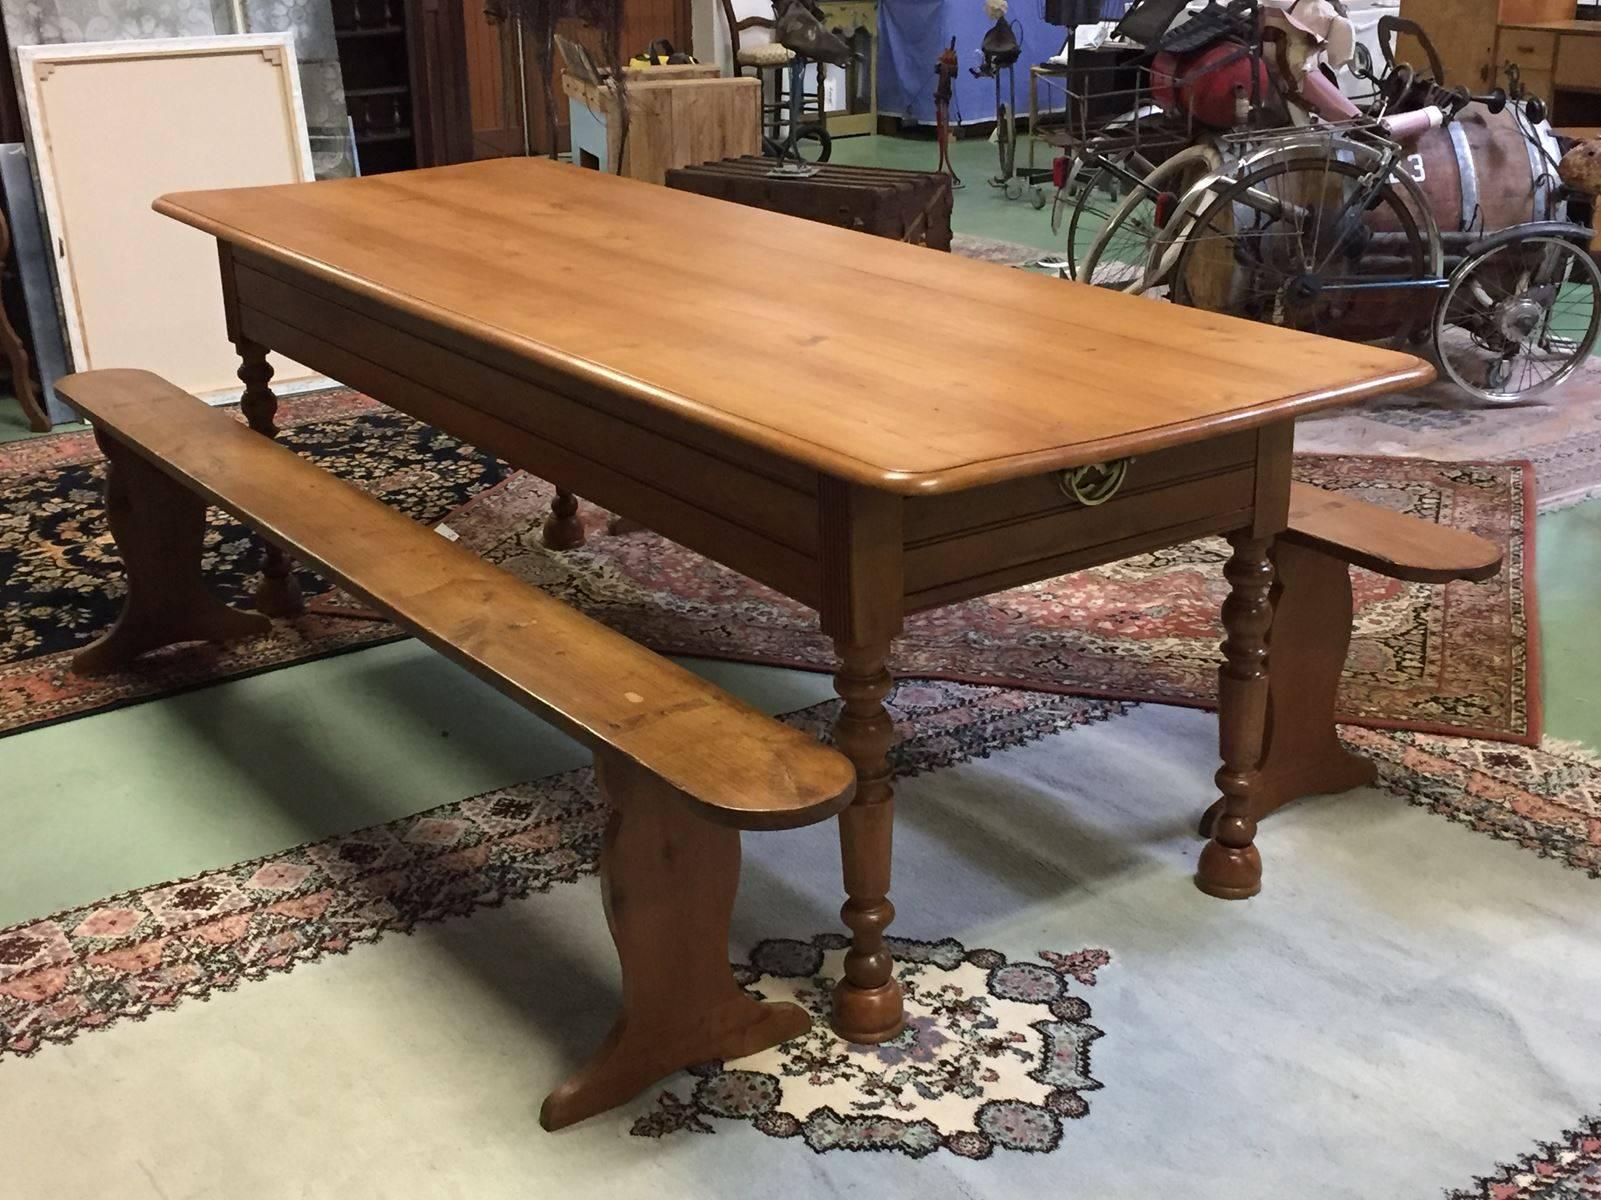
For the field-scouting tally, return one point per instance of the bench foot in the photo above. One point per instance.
(562, 529)
(867, 1006)
(668, 878)
(159, 527)
(1230, 867)
(1312, 610)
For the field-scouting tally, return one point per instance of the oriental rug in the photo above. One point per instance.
(1454, 660)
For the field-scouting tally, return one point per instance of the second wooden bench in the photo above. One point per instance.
(1312, 613)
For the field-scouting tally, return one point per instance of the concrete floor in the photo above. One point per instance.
(168, 788)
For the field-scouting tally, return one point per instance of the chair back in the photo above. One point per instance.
(750, 24)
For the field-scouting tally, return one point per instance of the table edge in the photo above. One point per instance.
(960, 477)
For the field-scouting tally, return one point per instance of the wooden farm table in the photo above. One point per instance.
(868, 427)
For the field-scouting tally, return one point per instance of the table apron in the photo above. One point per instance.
(762, 526)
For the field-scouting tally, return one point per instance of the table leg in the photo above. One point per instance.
(1303, 755)
(1230, 867)
(277, 593)
(867, 1001)
(562, 529)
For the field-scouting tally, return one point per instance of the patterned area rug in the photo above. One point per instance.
(997, 1055)
(1446, 659)
(1566, 1169)
(61, 580)
(1451, 660)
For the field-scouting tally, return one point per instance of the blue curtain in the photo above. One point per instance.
(913, 32)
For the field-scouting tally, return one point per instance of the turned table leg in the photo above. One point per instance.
(668, 878)
(1311, 634)
(1230, 866)
(160, 527)
(867, 1001)
(562, 529)
(278, 592)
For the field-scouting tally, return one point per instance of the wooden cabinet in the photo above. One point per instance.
(404, 66)
(1465, 33)
(1559, 61)
(853, 96)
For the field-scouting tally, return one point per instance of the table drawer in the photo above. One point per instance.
(1531, 49)
(970, 543)
(1579, 62)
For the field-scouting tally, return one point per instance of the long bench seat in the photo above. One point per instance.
(684, 765)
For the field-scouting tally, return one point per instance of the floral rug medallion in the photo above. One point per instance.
(995, 1055)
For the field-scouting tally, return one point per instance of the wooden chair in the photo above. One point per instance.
(16, 355)
(684, 765)
(766, 56)
(1327, 535)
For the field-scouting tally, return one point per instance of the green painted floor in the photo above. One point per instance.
(169, 788)
(980, 209)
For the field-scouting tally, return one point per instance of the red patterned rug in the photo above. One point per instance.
(1451, 660)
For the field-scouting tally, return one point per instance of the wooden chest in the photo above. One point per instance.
(909, 206)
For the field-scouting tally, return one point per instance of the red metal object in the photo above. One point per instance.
(1203, 83)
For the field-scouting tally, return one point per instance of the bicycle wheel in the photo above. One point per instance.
(1118, 256)
(1105, 182)
(1309, 243)
(1518, 318)
(1005, 148)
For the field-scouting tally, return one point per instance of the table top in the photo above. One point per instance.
(878, 362)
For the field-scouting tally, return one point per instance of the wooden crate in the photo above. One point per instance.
(673, 120)
(909, 206)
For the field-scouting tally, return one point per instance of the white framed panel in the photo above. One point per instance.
(112, 126)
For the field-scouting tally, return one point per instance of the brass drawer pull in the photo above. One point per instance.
(1095, 483)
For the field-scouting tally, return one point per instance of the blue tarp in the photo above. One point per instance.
(913, 32)
(911, 35)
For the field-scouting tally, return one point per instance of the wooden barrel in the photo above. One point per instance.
(1486, 164)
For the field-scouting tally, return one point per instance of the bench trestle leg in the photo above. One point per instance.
(1311, 634)
(159, 526)
(668, 878)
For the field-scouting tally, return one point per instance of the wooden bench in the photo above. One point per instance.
(1328, 534)
(684, 765)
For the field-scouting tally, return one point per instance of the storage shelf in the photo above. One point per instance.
(388, 135)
